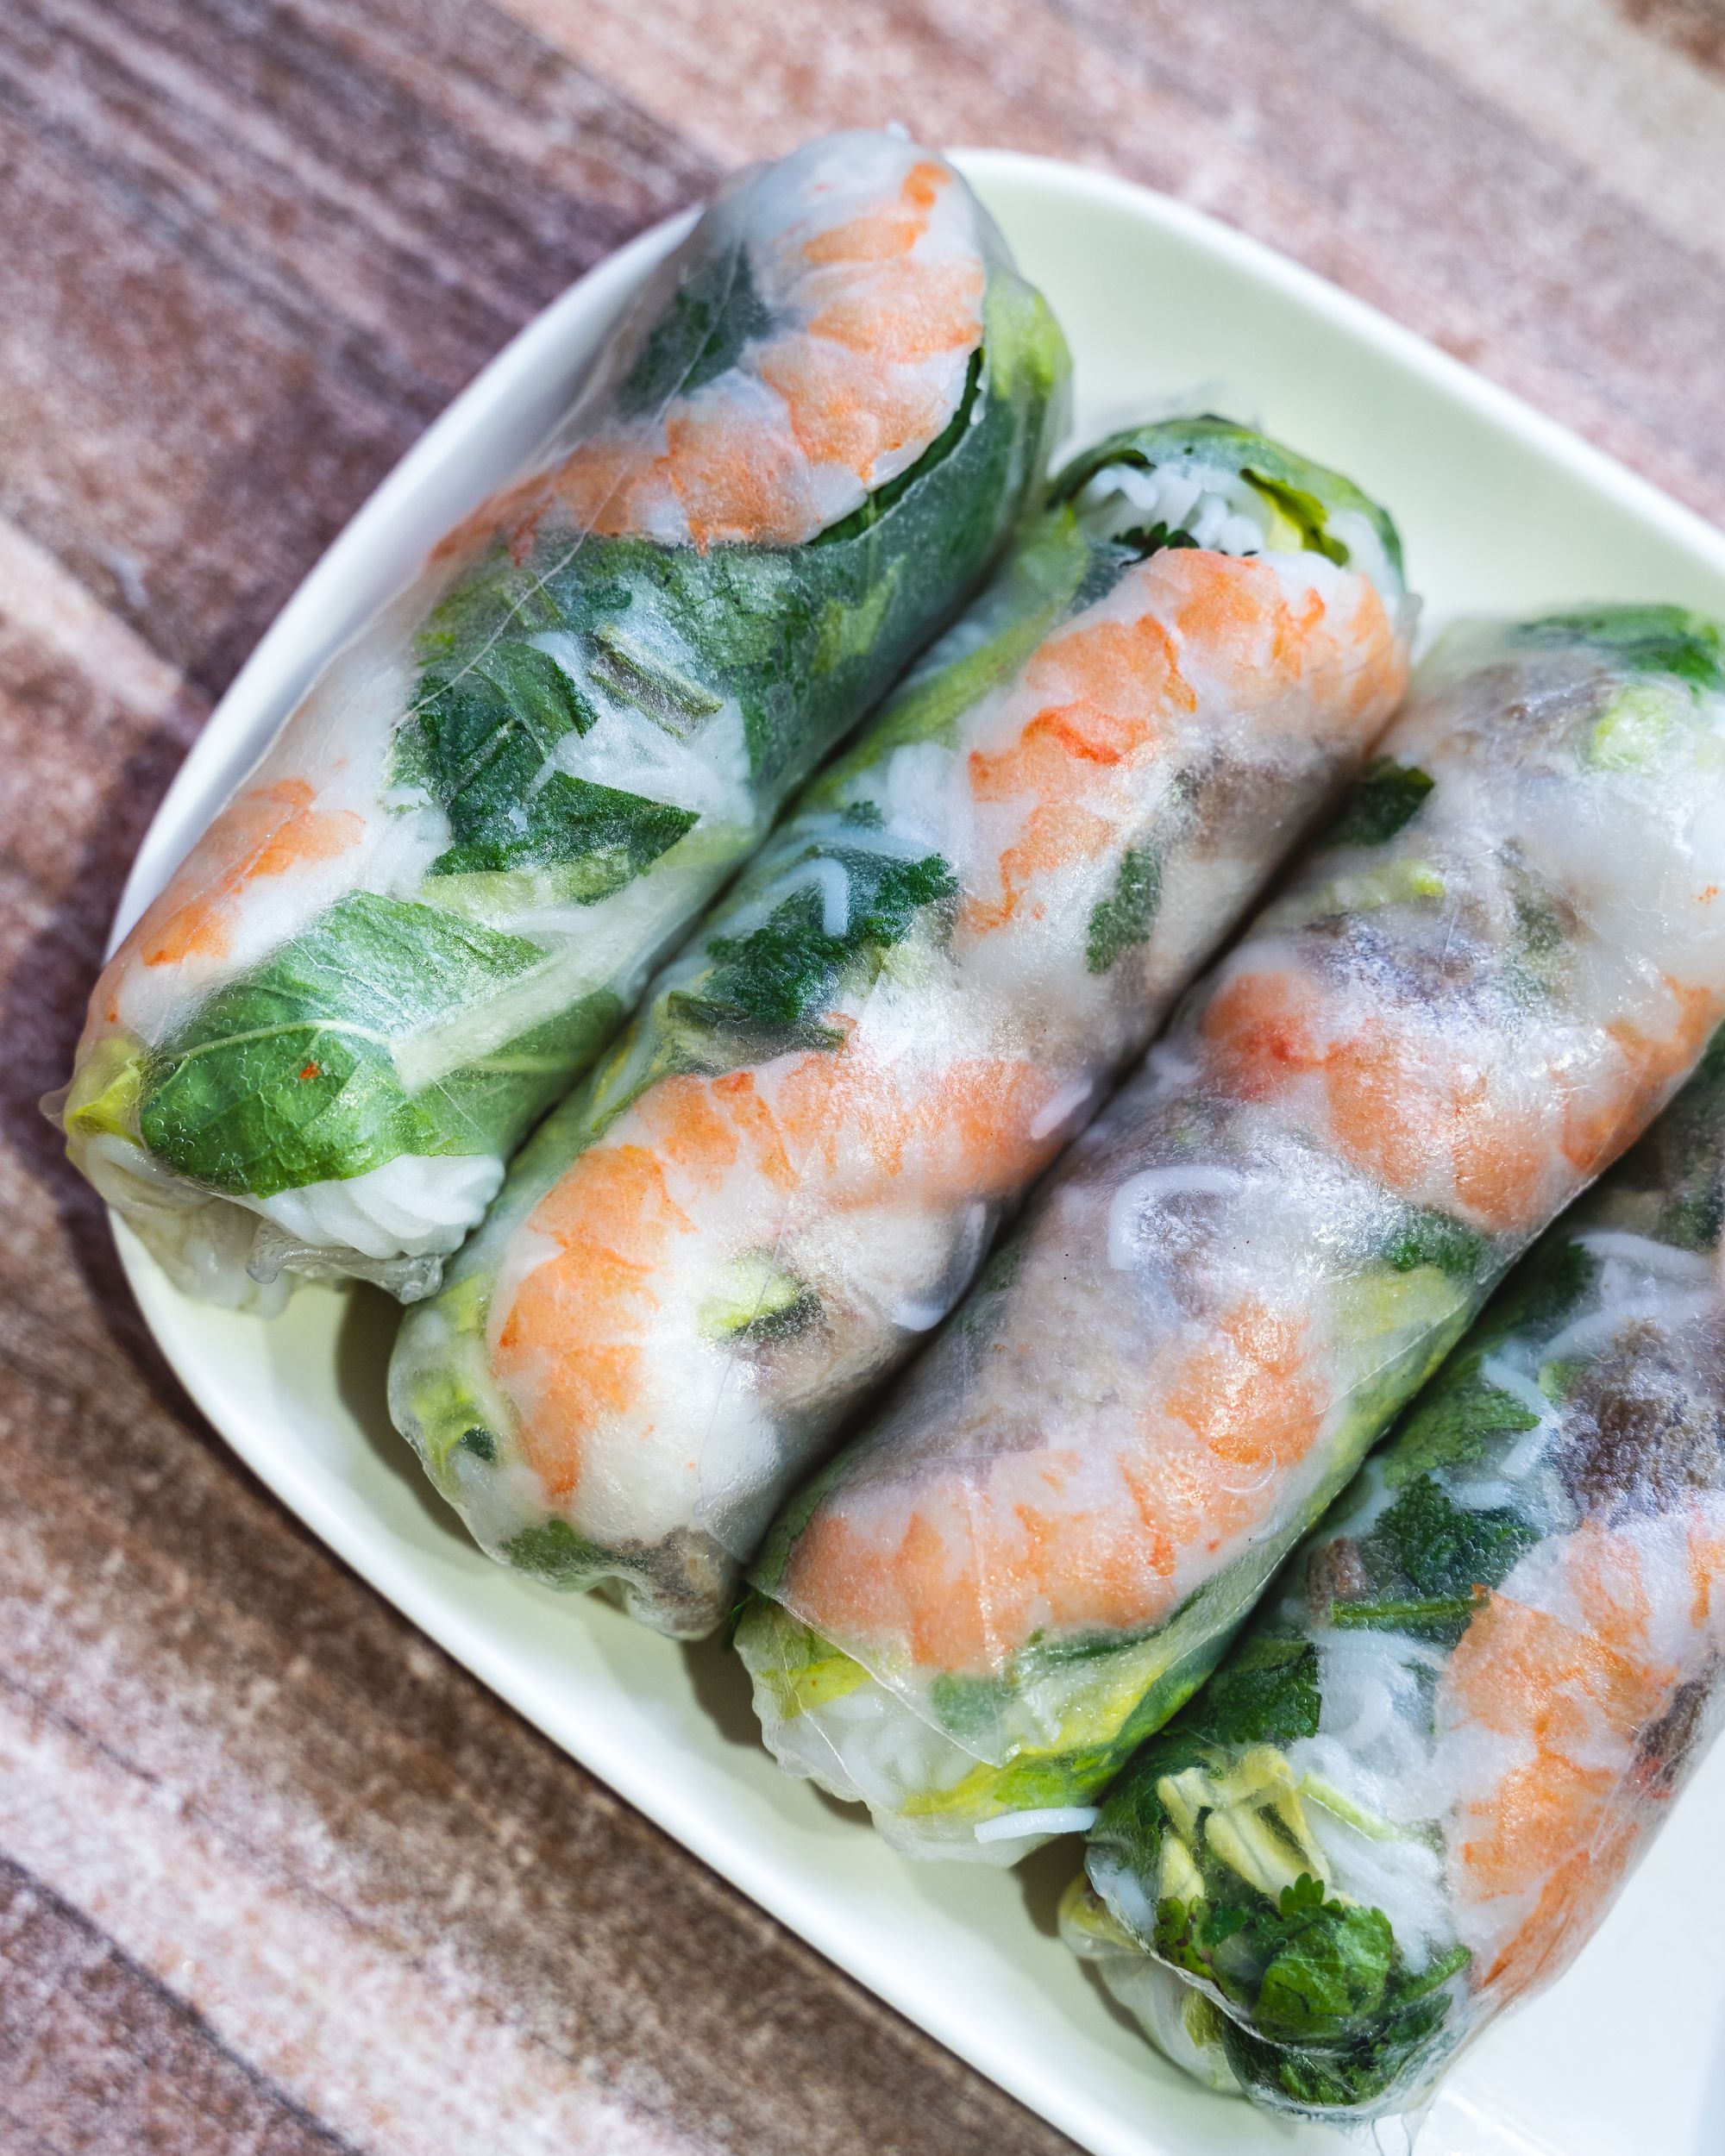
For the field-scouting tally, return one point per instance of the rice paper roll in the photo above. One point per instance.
(1498, 967)
(787, 1173)
(1411, 1793)
(425, 910)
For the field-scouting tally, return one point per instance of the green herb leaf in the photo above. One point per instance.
(569, 823)
(1266, 1692)
(1386, 796)
(699, 336)
(669, 696)
(1142, 541)
(1126, 916)
(1455, 1423)
(1425, 1557)
(863, 519)
(1543, 1288)
(1654, 639)
(479, 735)
(778, 978)
(287, 1076)
(1426, 1237)
(969, 1708)
(1300, 494)
(1438, 1612)
(552, 1551)
(1305, 1970)
(1331, 1972)
(1304, 511)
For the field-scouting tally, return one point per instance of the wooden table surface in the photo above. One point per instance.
(275, 1877)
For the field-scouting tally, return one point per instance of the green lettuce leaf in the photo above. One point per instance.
(287, 1075)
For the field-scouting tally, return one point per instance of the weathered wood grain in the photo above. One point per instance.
(71, 2089)
(274, 1876)
(253, 249)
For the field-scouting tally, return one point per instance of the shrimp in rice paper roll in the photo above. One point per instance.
(788, 1171)
(1499, 964)
(1410, 1794)
(426, 909)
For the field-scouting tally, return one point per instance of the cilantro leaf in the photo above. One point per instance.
(1142, 541)
(1305, 1969)
(1331, 1972)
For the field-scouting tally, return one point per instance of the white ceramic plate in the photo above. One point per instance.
(1501, 511)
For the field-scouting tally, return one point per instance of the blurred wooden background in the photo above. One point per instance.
(274, 1876)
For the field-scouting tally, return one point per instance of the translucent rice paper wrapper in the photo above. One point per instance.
(1497, 967)
(427, 908)
(1410, 1794)
(788, 1170)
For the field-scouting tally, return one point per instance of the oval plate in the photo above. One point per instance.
(1501, 512)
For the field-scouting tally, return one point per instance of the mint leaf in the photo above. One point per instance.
(1386, 796)
(1266, 1692)
(1127, 915)
(1428, 1238)
(611, 835)
(1543, 1288)
(1456, 1423)
(1425, 1558)
(778, 978)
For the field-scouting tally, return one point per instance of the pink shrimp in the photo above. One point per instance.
(270, 831)
(701, 1171)
(1542, 1843)
(1105, 693)
(875, 317)
(1464, 1128)
(966, 1565)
